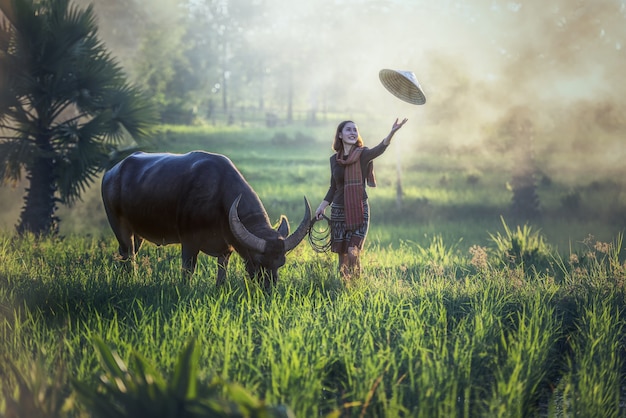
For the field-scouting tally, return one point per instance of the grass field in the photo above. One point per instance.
(459, 195)
(460, 311)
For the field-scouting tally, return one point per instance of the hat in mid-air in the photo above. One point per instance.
(403, 85)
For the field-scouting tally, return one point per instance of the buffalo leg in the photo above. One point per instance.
(137, 241)
(190, 258)
(222, 266)
(126, 247)
(122, 232)
(125, 241)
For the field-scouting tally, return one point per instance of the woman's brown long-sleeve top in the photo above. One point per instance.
(335, 191)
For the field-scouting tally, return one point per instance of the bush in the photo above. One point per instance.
(524, 247)
(143, 392)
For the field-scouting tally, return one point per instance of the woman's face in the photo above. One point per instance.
(349, 134)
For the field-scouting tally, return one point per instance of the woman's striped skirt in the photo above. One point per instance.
(343, 238)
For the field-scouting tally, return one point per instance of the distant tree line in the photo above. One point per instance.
(68, 111)
(82, 79)
(225, 59)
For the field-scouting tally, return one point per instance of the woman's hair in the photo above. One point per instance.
(338, 143)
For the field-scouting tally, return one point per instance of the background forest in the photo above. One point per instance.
(500, 77)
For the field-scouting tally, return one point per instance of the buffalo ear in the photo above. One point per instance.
(283, 228)
(294, 239)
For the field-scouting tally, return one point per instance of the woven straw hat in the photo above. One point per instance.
(403, 85)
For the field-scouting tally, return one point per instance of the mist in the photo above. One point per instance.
(480, 63)
(484, 65)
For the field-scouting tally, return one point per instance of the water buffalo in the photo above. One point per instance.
(201, 201)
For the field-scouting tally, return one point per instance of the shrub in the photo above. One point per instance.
(142, 391)
(524, 247)
(35, 393)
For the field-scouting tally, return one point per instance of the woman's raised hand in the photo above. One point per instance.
(397, 125)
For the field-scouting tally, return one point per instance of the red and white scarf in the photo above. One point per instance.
(353, 186)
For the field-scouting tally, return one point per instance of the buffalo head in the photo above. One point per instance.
(267, 253)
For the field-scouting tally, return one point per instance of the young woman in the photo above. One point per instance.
(351, 168)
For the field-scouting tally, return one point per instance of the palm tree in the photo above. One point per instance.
(65, 105)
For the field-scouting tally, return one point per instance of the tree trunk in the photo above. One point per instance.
(224, 92)
(289, 96)
(399, 191)
(40, 203)
(525, 202)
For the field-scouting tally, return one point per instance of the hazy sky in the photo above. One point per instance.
(485, 65)
(478, 61)
(475, 59)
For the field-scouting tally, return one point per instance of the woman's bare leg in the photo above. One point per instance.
(343, 267)
(354, 261)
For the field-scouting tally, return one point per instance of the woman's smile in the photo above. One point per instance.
(350, 134)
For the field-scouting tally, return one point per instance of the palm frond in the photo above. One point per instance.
(16, 154)
(59, 84)
(134, 112)
(21, 15)
(5, 34)
(79, 168)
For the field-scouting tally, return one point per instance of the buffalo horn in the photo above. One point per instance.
(298, 235)
(241, 233)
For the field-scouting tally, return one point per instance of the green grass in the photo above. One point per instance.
(462, 310)
(457, 196)
(424, 333)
